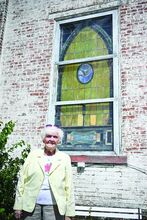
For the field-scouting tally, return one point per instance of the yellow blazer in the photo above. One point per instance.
(60, 178)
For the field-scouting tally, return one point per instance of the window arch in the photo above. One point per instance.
(99, 35)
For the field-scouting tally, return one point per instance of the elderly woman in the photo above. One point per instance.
(45, 189)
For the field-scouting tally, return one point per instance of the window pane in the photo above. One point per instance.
(87, 38)
(97, 114)
(80, 83)
(87, 127)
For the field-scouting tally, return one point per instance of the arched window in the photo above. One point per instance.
(85, 90)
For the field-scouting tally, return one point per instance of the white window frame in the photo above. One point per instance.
(54, 79)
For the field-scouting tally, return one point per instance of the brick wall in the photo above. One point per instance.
(24, 91)
(26, 54)
(133, 76)
(3, 14)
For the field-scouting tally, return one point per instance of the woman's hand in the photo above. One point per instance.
(67, 218)
(18, 214)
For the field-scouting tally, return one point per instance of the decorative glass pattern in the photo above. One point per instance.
(85, 73)
(88, 38)
(97, 114)
(101, 85)
(88, 126)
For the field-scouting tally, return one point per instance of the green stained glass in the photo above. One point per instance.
(86, 44)
(87, 38)
(86, 124)
(99, 87)
(69, 115)
(99, 114)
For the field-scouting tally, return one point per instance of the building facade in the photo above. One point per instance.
(81, 65)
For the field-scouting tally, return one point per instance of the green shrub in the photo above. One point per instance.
(9, 167)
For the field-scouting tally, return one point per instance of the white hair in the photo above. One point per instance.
(46, 130)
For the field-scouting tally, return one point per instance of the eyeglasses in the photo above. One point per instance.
(50, 125)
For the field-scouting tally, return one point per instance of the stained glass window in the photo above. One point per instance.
(85, 90)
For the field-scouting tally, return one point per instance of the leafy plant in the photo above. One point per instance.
(9, 167)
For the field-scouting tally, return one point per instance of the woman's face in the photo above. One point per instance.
(51, 139)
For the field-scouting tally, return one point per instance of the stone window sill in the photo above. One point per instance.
(118, 160)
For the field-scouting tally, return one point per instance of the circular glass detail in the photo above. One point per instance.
(85, 73)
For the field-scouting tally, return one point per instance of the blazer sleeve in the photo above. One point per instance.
(20, 185)
(69, 190)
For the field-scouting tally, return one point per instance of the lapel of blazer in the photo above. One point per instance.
(56, 161)
(40, 158)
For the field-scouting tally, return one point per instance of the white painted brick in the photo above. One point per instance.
(24, 91)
